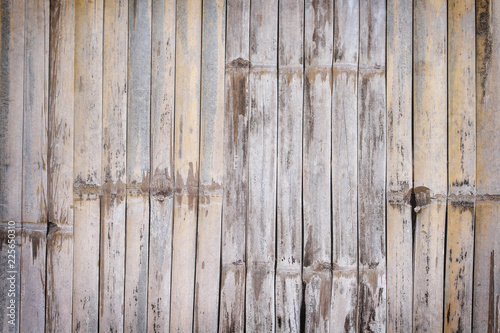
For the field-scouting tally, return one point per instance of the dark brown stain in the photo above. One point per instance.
(484, 43)
(162, 184)
(112, 195)
(238, 101)
(181, 132)
(491, 301)
(366, 308)
(37, 240)
(239, 63)
(422, 196)
(322, 19)
(189, 188)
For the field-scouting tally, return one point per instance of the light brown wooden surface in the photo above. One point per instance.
(224, 165)
(206, 306)
(344, 303)
(486, 293)
(399, 166)
(288, 295)
(59, 289)
(162, 164)
(461, 166)
(138, 166)
(114, 173)
(430, 162)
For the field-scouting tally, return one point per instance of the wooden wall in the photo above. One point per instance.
(250, 165)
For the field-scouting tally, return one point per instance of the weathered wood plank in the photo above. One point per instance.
(344, 167)
(187, 119)
(232, 290)
(87, 164)
(34, 209)
(114, 156)
(399, 166)
(162, 181)
(486, 308)
(317, 140)
(262, 151)
(138, 166)
(11, 156)
(206, 307)
(430, 162)
(58, 316)
(372, 131)
(462, 166)
(288, 298)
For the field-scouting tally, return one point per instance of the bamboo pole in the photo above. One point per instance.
(162, 150)
(399, 166)
(430, 162)
(34, 209)
(138, 166)
(289, 186)
(262, 152)
(372, 130)
(486, 308)
(317, 140)
(187, 118)
(344, 167)
(232, 287)
(60, 168)
(461, 166)
(114, 173)
(11, 155)
(87, 168)
(206, 307)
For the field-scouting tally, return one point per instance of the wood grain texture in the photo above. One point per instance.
(87, 168)
(430, 162)
(461, 166)
(138, 166)
(11, 154)
(233, 271)
(372, 131)
(58, 315)
(288, 295)
(162, 167)
(34, 202)
(344, 167)
(399, 166)
(262, 152)
(186, 161)
(206, 307)
(317, 140)
(114, 173)
(486, 308)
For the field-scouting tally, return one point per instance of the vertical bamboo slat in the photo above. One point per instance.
(187, 119)
(430, 162)
(114, 155)
(60, 168)
(162, 150)
(11, 156)
(34, 209)
(371, 161)
(87, 168)
(289, 186)
(317, 140)
(206, 308)
(138, 166)
(232, 287)
(262, 135)
(344, 167)
(462, 166)
(486, 307)
(399, 166)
